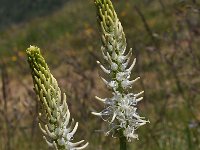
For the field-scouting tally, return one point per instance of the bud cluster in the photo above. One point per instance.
(60, 128)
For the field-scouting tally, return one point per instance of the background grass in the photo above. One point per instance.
(165, 37)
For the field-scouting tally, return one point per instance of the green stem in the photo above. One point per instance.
(122, 140)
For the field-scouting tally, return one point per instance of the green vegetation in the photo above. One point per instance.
(165, 36)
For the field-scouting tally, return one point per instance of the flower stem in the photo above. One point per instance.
(122, 140)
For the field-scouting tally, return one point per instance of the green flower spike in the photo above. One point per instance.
(59, 129)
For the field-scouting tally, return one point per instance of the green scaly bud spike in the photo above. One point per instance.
(113, 36)
(56, 132)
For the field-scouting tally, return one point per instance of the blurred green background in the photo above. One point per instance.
(165, 37)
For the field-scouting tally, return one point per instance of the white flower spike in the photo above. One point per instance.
(121, 107)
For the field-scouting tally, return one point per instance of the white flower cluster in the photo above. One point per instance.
(59, 128)
(121, 109)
